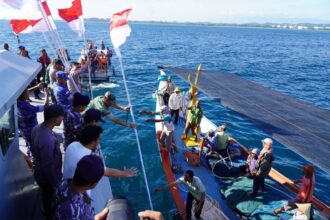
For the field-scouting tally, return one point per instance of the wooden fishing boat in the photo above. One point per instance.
(222, 188)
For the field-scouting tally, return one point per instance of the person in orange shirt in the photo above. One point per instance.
(305, 194)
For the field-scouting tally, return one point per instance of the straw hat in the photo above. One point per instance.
(177, 89)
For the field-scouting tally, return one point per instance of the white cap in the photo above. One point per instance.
(255, 151)
(268, 141)
(161, 72)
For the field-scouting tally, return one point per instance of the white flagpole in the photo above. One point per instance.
(57, 41)
(135, 130)
(86, 50)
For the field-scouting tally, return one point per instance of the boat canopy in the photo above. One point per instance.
(16, 73)
(301, 126)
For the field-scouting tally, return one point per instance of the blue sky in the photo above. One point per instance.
(236, 11)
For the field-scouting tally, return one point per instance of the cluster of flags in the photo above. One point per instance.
(37, 10)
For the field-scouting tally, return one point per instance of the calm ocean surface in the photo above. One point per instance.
(293, 62)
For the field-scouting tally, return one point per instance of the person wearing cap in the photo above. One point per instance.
(73, 120)
(263, 166)
(61, 92)
(174, 104)
(103, 104)
(47, 156)
(251, 161)
(306, 190)
(71, 198)
(27, 114)
(166, 137)
(88, 144)
(167, 89)
(23, 52)
(194, 120)
(93, 117)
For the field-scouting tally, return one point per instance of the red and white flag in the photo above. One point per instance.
(73, 16)
(21, 26)
(119, 29)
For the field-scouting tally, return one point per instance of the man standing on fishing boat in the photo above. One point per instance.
(174, 104)
(194, 120)
(263, 166)
(196, 192)
(103, 104)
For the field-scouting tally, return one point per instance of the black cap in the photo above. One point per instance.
(93, 114)
(90, 169)
(53, 111)
(80, 99)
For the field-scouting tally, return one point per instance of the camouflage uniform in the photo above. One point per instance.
(72, 205)
(73, 122)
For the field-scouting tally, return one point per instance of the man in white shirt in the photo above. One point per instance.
(174, 104)
(196, 192)
(88, 143)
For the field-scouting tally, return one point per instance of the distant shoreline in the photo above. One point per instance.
(292, 26)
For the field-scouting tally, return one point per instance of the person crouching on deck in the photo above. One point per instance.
(196, 192)
(305, 194)
(103, 104)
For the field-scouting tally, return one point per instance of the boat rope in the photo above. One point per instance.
(135, 130)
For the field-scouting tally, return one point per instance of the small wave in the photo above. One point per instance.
(105, 86)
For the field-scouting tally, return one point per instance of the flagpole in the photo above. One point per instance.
(57, 42)
(88, 69)
(135, 130)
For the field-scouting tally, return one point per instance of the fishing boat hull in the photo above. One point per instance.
(217, 204)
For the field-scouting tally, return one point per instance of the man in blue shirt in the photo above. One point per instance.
(47, 156)
(62, 94)
(71, 198)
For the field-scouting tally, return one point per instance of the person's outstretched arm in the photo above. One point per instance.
(112, 172)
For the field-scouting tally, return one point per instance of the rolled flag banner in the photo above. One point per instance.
(21, 26)
(73, 16)
(119, 29)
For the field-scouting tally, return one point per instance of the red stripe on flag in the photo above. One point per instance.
(20, 25)
(119, 19)
(72, 13)
(46, 8)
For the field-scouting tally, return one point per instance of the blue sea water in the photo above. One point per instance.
(294, 62)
